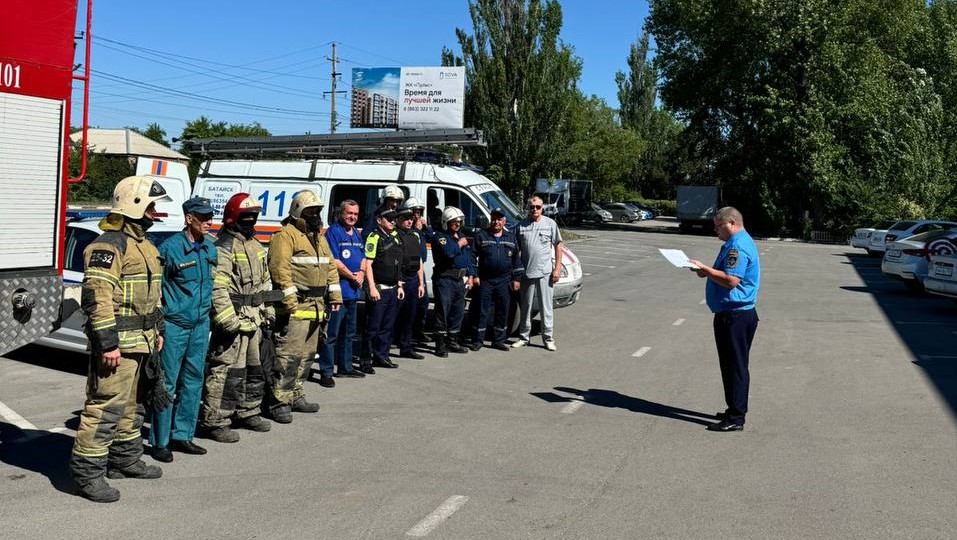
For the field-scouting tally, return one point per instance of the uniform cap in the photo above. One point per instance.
(387, 213)
(198, 205)
(497, 211)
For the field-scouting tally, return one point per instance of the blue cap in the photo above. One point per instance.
(497, 211)
(198, 205)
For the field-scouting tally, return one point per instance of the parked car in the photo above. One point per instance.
(900, 230)
(597, 214)
(649, 212)
(941, 278)
(79, 234)
(907, 259)
(862, 237)
(621, 212)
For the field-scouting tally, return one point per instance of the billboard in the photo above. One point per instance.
(408, 98)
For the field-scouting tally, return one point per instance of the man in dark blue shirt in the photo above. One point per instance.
(346, 245)
(451, 276)
(499, 267)
(731, 292)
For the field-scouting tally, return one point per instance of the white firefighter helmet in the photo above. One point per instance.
(410, 205)
(134, 194)
(393, 191)
(302, 200)
(451, 213)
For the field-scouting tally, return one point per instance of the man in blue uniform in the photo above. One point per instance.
(392, 197)
(189, 260)
(499, 266)
(730, 292)
(383, 262)
(425, 238)
(413, 280)
(453, 264)
(345, 243)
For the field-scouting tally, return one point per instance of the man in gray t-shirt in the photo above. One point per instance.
(540, 243)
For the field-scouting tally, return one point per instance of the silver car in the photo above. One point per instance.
(622, 212)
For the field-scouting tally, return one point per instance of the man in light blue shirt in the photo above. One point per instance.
(731, 292)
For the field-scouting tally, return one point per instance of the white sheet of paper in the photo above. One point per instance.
(677, 258)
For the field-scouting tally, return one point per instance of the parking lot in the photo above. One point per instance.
(851, 432)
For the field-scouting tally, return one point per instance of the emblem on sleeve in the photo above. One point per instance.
(732, 258)
(101, 258)
(442, 240)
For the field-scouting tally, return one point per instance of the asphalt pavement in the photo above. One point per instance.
(851, 432)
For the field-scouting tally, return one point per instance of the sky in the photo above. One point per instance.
(243, 61)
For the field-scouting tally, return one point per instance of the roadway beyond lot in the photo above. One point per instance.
(851, 432)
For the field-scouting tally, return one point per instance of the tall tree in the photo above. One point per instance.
(204, 128)
(637, 90)
(521, 81)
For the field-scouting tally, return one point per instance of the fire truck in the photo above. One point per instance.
(37, 49)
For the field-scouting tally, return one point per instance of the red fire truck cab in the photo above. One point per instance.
(36, 76)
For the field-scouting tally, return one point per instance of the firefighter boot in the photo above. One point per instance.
(88, 482)
(452, 342)
(137, 470)
(440, 350)
(303, 406)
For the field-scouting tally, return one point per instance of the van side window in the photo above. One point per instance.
(366, 195)
(456, 198)
(76, 241)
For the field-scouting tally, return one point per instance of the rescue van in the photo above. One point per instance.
(274, 182)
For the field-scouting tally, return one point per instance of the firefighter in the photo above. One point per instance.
(302, 267)
(121, 298)
(499, 266)
(235, 381)
(392, 196)
(189, 259)
(383, 265)
(451, 277)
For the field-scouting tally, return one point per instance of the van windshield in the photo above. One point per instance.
(498, 199)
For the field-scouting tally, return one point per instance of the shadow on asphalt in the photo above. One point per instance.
(46, 357)
(617, 400)
(38, 451)
(925, 323)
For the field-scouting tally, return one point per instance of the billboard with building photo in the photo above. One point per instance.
(408, 98)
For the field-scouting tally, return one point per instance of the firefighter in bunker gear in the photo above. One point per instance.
(121, 298)
(302, 267)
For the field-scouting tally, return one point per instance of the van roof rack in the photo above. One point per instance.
(404, 144)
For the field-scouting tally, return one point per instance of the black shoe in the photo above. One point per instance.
(354, 374)
(475, 346)
(223, 435)
(412, 354)
(186, 447)
(500, 347)
(98, 491)
(453, 346)
(137, 470)
(723, 415)
(726, 425)
(385, 363)
(162, 455)
(253, 423)
(281, 414)
(368, 370)
(303, 406)
(326, 381)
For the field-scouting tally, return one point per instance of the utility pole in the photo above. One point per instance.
(333, 121)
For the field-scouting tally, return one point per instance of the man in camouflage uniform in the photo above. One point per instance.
(302, 267)
(241, 294)
(121, 298)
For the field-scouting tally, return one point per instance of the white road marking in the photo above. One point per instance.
(678, 322)
(641, 352)
(12, 417)
(600, 265)
(573, 406)
(586, 273)
(433, 520)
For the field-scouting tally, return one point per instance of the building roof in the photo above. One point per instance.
(125, 142)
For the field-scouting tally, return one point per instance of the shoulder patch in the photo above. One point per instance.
(732, 258)
(102, 258)
(443, 240)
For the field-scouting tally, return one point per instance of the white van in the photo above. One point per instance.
(273, 183)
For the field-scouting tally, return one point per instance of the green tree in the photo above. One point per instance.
(637, 91)
(204, 128)
(153, 132)
(520, 84)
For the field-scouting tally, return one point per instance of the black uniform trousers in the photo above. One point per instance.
(408, 315)
(449, 304)
(379, 322)
(493, 293)
(733, 334)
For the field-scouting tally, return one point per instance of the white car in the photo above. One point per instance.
(862, 237)
(903, 229)
(79, 234)
(907, 259)
(941, 278)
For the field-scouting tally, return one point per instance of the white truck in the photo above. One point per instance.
(565, 200)
(696, 207)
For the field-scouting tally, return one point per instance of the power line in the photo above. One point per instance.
(205, 108)
(398, 62)
(180, 93)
